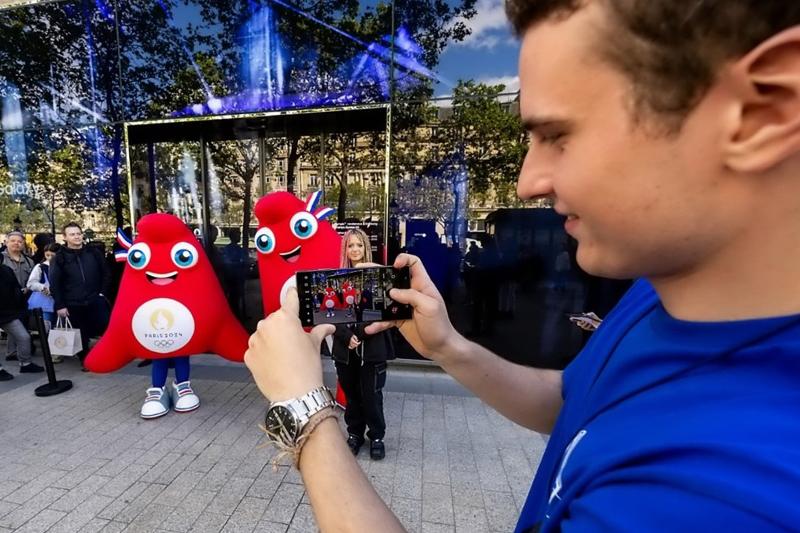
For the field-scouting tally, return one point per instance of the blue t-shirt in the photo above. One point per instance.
(670, 425)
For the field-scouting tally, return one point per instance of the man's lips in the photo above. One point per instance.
(291, 257)
(161, 279)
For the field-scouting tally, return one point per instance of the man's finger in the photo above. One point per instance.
(377, 327)
(292, 302)
(319, 333)
(410, 296)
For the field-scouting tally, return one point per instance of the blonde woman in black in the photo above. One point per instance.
(361, 364)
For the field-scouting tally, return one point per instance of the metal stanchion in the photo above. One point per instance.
(53, 386)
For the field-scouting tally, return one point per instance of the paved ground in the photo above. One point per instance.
(85, 461)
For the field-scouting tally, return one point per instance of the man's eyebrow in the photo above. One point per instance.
(537, 123)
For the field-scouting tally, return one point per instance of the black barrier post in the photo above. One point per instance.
(53, 386)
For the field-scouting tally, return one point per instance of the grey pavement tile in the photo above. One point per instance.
(41, 522)
(138, 505)
(435, 469)
(437, 503)
(407, 482)
(7, 487)
(75, 477)
(33, 487)
(218, 475)
(283, 504)
(209, 522)
(80, 493)
(254, 462)
(82, 515)
(114, 527)
(31, 508)
(180, 487)
(466, 490)
(117, 464)
(170, 473)
(429, 527)
(271, 527)
(149, 521)
(94, 525)
(303, 520)
(246, 516)
(267, 482)
(408, 511)
(7, 507)
(470, 520)
(187, 511)
(501, 511)
(492, 476)
(123, 500)
(229, 496)
(123, 481)
(153, 472)
(409, 451)
(293, 476)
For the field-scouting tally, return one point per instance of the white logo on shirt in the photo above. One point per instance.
(557, 486)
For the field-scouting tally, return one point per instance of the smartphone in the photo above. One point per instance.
(351, 295)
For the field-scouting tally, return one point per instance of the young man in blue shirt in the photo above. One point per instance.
(668, 134)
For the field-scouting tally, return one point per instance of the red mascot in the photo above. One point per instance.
(292, 235)
(329, 302)
(169, 306)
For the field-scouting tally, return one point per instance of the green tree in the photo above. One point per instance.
(492, 138)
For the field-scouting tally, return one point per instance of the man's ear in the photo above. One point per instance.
(767, 81)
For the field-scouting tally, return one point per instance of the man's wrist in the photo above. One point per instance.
(453, 351)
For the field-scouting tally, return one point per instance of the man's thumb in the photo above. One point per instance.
(320, 332)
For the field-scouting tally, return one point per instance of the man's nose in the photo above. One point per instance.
(535, 179)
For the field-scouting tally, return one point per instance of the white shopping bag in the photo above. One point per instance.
(63, 339)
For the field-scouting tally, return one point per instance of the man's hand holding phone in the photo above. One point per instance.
(429, 330)
(282, 357)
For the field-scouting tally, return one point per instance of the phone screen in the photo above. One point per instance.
(351, 295)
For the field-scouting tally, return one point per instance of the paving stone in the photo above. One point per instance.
(31, 508)
(82, 514)
(149, 520)
(429, 527)
(501, 511)
(470, 520)
(283, 504)
(229, 496)
(72, 499)
(452, 463)
(187, 511)
(408, 511)
(407, 482)
(246, 516)
(209, 522)
(437, 503)
(271, 527)
(94, 525)
(303, 520)
(41, 522)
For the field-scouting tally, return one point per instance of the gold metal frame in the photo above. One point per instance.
(267, 114)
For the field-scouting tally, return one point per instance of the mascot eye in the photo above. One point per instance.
(265, 240)
(139, 256)
(303, 225)
(184, 255)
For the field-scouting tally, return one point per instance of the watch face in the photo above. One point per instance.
(282, 425)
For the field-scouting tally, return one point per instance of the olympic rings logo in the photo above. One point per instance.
(163, 343)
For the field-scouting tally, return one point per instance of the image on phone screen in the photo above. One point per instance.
(351, 295)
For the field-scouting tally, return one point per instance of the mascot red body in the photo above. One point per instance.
(349, 294)
(170, 303)
(293, 235)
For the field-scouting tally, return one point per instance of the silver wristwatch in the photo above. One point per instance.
(285, 420)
